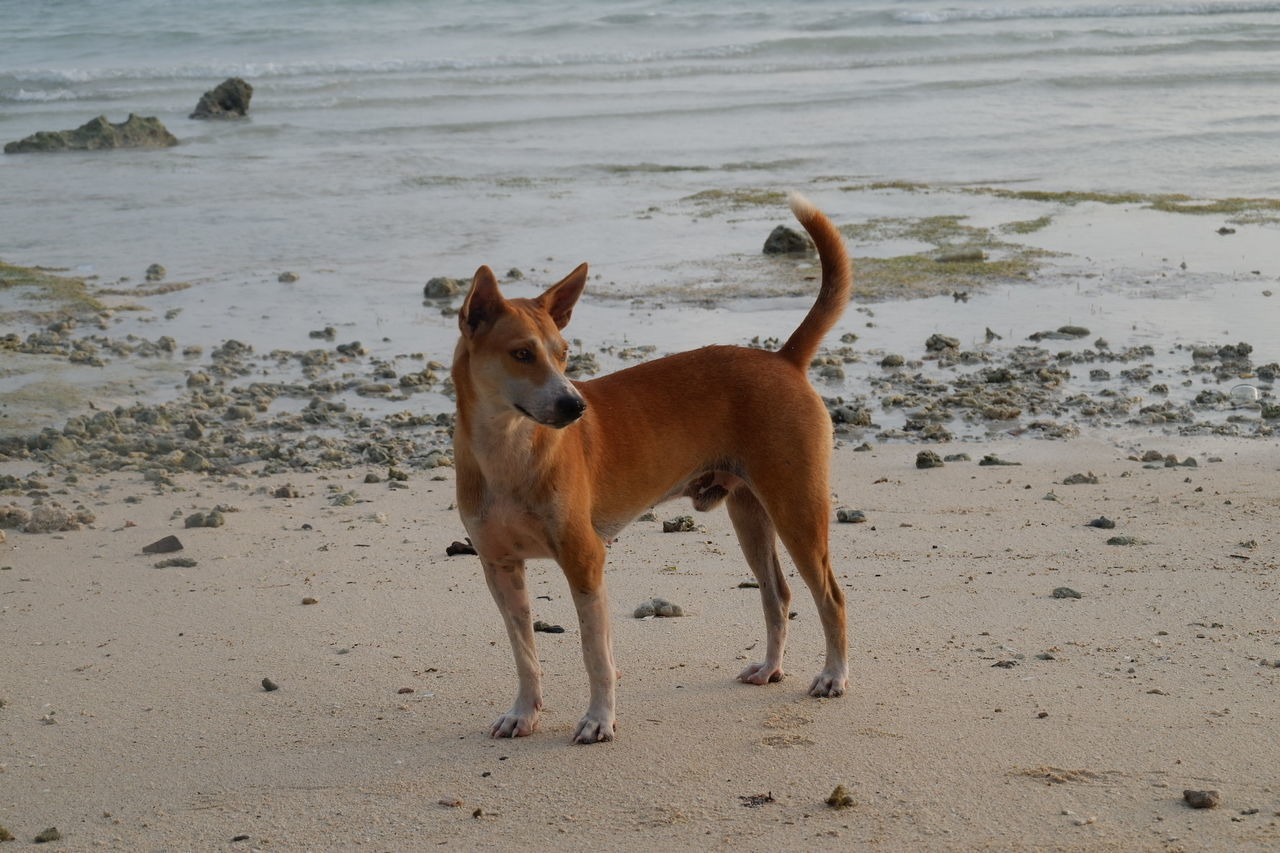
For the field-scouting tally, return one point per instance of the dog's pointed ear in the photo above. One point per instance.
(483, 303)
(559, 299)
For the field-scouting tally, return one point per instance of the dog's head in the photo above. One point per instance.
(516, 354)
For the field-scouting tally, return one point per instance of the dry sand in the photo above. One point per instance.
(135, 718)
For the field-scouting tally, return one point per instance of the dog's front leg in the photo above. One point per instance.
(506, 582)
(584, 567)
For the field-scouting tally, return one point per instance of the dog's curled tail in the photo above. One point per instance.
(837, 281)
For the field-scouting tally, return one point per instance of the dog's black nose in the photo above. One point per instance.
(569, 408)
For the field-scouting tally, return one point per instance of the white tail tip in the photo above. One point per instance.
(801, 206)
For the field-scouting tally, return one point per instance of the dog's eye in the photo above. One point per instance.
(522, 355)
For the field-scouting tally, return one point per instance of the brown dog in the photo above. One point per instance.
(549, 468)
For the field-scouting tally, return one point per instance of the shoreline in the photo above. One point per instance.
(1173, 313)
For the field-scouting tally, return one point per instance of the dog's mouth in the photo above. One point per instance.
(559, 421)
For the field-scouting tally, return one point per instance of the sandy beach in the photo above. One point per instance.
(1063, 219)
(983, 714)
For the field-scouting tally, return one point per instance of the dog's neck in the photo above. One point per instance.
(509, 448)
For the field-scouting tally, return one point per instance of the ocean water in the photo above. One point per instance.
(393, 140)
(394, 132)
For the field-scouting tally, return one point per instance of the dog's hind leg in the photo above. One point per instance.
(802, 520)
(758, 541)
(507, 584)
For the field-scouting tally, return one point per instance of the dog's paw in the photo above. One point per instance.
(593, 730)
(514, 724)
(829, 685)
(761, 673)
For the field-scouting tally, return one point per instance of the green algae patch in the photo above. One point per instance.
(714, 201)
(39, 284)
(1238, 210)
(1071, 197)
(880, 186)
(939, 231)
(1026, 226)
(963, 256)
(913, 276)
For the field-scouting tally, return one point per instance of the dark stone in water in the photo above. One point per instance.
(134, 132)
(230, 99)
(785, 241)
(442, 287)
(937, 343)
(1062, 333)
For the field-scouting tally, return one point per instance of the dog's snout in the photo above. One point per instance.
(569, 408)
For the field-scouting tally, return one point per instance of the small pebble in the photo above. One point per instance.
(176, 562)
(547, 628)
(679, 524)
(992, 459)
(310, 600)
(840, 798)
(928, 459)
(167, 545)
(212, 518)
(1081, 479)
(287, 277)
(269, 685)
(1123, 540)
(1065, 592)
(1102, 522)
(1202, 799)
(456, 548)
(845, 515)
(50, 834)
(658, 607)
